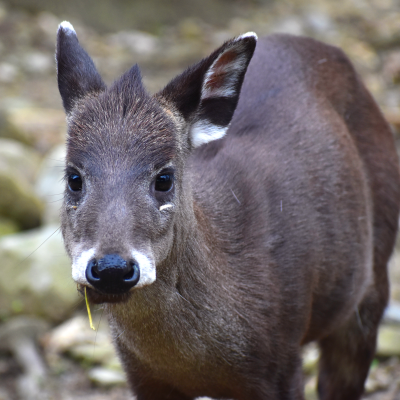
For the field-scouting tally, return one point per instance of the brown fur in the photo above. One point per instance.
(281, 234)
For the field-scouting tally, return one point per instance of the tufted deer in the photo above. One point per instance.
(223, 233)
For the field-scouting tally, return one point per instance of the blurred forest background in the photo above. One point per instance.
(47, 350)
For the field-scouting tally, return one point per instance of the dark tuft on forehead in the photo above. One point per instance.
(128, 92)
(123, 122)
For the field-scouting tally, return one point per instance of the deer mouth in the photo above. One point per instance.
(96, 297)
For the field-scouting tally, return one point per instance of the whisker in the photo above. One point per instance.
(34, 251)
(55, 194)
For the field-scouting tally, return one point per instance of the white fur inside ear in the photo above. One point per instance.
(67, 27)
(227, 73)
(203, 132)
(230, 71)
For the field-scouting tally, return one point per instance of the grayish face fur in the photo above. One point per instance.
(118, 154)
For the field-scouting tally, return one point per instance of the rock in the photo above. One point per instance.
(18, 160)
(75, 331)
(291, 24)
(135, 41)
(18, 204)
(310, 358)
(310, 389)
(394, 274)
(4, 395)
(319, 21)
(48, 23)
(18, 201)
(383, 376)
(392, 313)
(190, 28)
(36, 275)
(384, 33)
(8, 227)
(96, 352)
(7, 129)
(361, 53)
(76, 339)
(45, 127)
(107, 377)
(19, 336)
(37, 62)
(50, 184)
(393, 117)
(388, 341)
(3, 12)
(8, 72)
(391, 67)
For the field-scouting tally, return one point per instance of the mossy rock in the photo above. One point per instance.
(19, 203)
(388, 341)
(36, 275)
(9, 131)
(18, 172)
(7, 227)
(19, 160)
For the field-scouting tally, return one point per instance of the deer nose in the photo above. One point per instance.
(112, 274)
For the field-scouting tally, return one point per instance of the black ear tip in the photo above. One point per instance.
(66, 28)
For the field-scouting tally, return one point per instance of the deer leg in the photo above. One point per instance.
(347, 353)
(291, 384)
(284, 382)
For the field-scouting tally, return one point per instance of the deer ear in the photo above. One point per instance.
(207, 93)
(76, 73)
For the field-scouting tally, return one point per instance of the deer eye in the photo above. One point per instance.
(74, 182)
(164, 182)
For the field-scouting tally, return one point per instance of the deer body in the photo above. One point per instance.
(275, 234)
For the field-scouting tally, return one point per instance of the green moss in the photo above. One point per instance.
(17, 306)
(7, 227)
(19, 204)
(9, 131)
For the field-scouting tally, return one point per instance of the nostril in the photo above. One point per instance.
(92, 271)
(132, 273)
(129, 273)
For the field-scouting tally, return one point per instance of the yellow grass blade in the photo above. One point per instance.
(88, 311)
